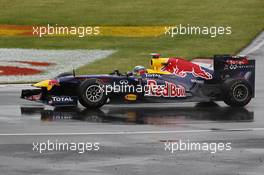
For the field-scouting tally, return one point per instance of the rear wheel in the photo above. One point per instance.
(91, 94)
(237, 92)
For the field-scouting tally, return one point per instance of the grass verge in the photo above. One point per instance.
(244, 16)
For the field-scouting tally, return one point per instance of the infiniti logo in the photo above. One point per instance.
(233, 66)
(123, 82)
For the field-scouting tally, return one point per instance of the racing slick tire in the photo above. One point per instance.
(91, 94)
(237, 92)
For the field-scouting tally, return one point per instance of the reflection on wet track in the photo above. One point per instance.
(140, 115)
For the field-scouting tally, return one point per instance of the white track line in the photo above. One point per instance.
(256, 43)
(255, 48)
(131, 132)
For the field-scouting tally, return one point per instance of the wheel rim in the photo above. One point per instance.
(94, 93)
(240, 92)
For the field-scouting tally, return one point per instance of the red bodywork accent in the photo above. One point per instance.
(181, 67)
(243, 61)
(34, 97)
(54, 83)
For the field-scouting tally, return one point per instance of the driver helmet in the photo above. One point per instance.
(139, 70)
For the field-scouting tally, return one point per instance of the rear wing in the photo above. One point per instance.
(227, 66)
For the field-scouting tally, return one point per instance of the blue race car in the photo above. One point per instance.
(222, 78)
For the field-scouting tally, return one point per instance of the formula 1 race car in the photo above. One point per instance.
(222, 78)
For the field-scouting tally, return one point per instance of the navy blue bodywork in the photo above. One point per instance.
(196, 89)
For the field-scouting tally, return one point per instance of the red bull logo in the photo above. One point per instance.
(167, 90)
(181, 67)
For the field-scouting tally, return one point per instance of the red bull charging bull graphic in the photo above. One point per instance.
(181, 67)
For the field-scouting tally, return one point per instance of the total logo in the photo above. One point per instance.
(167, 90)
(62, 99)
(152, 75)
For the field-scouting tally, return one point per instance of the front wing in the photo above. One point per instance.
(38, 95)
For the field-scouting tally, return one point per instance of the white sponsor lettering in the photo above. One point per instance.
(62, 99)
(167, 90)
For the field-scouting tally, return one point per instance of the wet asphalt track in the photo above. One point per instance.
(132, 137)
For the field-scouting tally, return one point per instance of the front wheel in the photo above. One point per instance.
(91, 94)
(237, 92)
